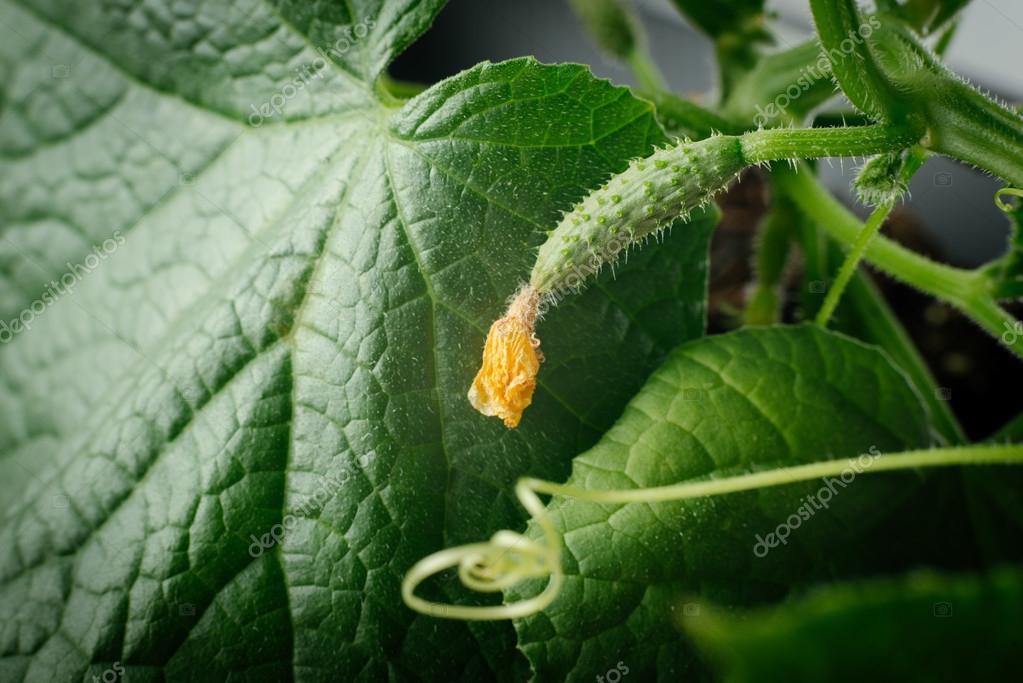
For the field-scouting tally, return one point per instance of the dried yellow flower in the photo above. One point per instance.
(504, 385)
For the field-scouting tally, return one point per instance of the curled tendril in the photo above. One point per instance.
(504, 561)
(1012, 192)
(511, 557)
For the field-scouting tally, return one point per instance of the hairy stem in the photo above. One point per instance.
(966, 125)
(842, 30)
(870, 228)
(776, 144)
(912, 164)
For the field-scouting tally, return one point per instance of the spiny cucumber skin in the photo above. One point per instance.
(632, 205)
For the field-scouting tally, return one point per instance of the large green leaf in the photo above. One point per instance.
(927, 627)
(720, 406)
(286, 333)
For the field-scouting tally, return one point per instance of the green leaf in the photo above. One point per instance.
(280, 337)
(755, 399)
(865, 314)
(944, 628)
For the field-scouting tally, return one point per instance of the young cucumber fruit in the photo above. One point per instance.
(631, 206)
(634, 204)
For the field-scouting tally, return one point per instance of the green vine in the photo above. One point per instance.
(509, 557)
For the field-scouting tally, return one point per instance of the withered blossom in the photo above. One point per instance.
(506, 380)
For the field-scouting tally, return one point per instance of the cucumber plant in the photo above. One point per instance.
(247, 274)
(914, 108)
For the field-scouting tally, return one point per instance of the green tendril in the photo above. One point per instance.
(510, 557)
(1011, 192)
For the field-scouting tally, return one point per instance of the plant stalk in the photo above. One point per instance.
(859, 247)
(966, 290)
(914, 160)
(776, 144)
